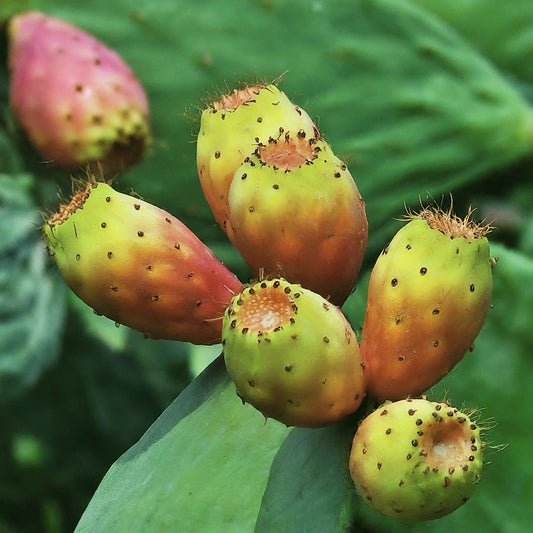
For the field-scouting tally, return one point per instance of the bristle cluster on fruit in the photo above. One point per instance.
(140, 266)
(416, 460)
(292, 354)
(428, 297)
(78, 102)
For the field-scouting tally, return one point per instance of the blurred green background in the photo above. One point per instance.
(423, 99)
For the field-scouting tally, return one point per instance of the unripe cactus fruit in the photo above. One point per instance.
(296, 213)
(292, 355)
(140, 266)
(77, 100)
(230, 130)
(428, 297)
(416, 460)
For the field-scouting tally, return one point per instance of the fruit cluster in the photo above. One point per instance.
(294, 212)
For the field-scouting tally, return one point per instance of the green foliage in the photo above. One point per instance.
(406, 95)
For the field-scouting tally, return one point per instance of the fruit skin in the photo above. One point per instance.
(230, 130)
(140, 266)
(416, 460)
(428, 297)
(292, 355)
(306, 224)
(77, 100)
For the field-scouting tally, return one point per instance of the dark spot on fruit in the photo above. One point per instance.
(190, 274)
(414, 443)
(409, 456)
(398, 319)
(294, 337)
(137, 206)
(438, 407)
(408, 247)
(108, 199)
(473, 426)
(251, 382)
(423, 271)
(276, 284)
(451, 470)
(388, 431)
(472, 439)
(464, 468)
(78, 256)
(337, 174)
(411, 412)
(419, 422)
(168, 221)
(155, 298)
(394, 282)
(288, 368)
(369, 498)
(244, 176)
(450, 413)
(419, 433)
(325, 339)
(97, 119)
(198, 303)
(78, 88)
(245, 330)
(379, 466)
(267, 339)
(177, 246)
(275, 186)
(140, 233)
(472, 288)
(278, 328)
(435, 469)
(233, 324)
(461, 420)
(291, 320)
(364, 451)
(294, 307)
(97, 61)
(471, 458)
(217, 153)
(426, 470)
(399, 485)
(251, 209)
(296, 295)
(114, 288)
(383, 413)
(473, 448)
(325, 306)
(259, 119)
(436, 311)
(287, 290)
(401, 358)
(239, 301)
(435, 343)
(103, 225)
(447, 481)
(110, 254)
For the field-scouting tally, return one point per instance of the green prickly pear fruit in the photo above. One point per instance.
(416, 460)
(296, 213)
(428, 297)
(231, 128)
(292, 354)
(77, 100)
(139, 266)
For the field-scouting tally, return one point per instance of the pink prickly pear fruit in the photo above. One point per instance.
(416, 460)
(292, 355)
(296, 213)
(230, 130)
(76, 99)
(139, 266)
(428, 297)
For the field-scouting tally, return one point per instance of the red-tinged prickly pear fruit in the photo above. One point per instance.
(230, 130)
(428, 297)
(416, 460)
(292, 354)
(296, 213)
(77, 100)
(140, 266)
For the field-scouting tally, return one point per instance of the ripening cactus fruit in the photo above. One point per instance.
(295, 212)
(139, 266)
(292, 354)
(230, 129)
(416, 460)
(76, 99)
(428, 297)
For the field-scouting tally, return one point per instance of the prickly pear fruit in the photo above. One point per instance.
(292, 354)
(138, 265)
(416, 460)
(296, 213)
(230, 129)
(428, 298)
(77, 100)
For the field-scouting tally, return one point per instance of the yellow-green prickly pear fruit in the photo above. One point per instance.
(296, 213)
(292, 354)
(139, 266)
(416, 460)
(230, 130)
(428, 297)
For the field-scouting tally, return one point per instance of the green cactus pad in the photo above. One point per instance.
(416, 460)
(428, 297)
(140, 266)
(296, 213)
(230, 130)
(292, 354)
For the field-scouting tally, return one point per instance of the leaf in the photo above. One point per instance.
(500, 30)
(32, 299)
(204, 461)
